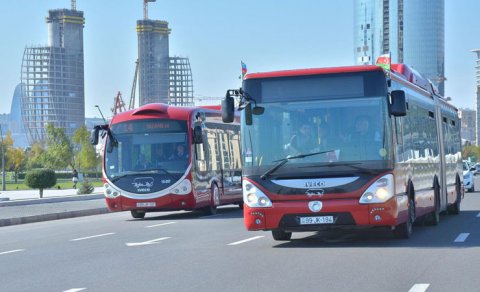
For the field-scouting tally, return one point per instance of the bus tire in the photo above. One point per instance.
(214, 200)
(405, 230)
(433, 218)
(455, 207)
(281, 235)
(137, 214)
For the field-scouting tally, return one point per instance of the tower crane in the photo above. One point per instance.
(145, 8)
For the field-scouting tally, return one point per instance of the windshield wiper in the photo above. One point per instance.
(286, 159)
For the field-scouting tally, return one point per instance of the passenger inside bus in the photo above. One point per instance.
(180, 153)
(366, 138)
(304, 141)
(160, 155)
(142, 163)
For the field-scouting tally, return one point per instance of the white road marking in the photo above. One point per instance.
(419, 288)
(11, 251)
(74, 289)
(246, 240)
(478, 215)
(93, 236)
(462, 237)
(161, 224)
(153, 241)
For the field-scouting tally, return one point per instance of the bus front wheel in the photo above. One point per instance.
(214, 201)
(137, 214)
(405, 230)
(281, 235)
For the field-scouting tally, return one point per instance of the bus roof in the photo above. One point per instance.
(313, 71)
(156, 110)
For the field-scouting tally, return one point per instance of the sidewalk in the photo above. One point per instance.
(18, 207)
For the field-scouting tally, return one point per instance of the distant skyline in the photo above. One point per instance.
(217, 35)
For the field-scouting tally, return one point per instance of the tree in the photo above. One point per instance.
(59, 153)
(40, 179)
(35, 156)
(15, 161)
(86, 156)
(471, 152)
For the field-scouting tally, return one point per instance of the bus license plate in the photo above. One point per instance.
(146, 204)
(316, 220)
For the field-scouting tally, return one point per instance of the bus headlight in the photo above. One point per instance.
(253, 197)
(183, 188)
(110, 192)
(379, 192)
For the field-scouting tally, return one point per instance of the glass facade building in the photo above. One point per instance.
(411, 30)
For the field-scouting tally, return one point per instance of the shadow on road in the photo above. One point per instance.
(223, 212)
(441, 236)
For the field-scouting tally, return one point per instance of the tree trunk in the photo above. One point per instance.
(41, 193)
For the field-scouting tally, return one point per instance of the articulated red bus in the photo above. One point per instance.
(161, 157)
(347, 147)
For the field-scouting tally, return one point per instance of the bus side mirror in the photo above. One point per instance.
(197, 135)
(94, 135)
(248, 114)
(398, 106)
(228, 108)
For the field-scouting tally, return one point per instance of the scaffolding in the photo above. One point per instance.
(181, 82)
(53, 78)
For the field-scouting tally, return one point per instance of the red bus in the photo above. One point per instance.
(161, 157)
(346, 147)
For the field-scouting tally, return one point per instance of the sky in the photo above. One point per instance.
(217, 35)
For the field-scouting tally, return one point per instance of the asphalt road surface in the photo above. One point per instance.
(186, 251)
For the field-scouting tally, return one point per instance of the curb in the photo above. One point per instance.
(51, 200)
(53, 216)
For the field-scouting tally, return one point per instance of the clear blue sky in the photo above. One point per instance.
(216, 35)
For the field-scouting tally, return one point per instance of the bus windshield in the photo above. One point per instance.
(324, 133)
(153, 147)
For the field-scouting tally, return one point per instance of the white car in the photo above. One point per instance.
(468, 177)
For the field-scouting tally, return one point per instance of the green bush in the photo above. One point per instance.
(41, 178)
(85, 187)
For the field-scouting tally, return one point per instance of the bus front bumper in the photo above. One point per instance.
(345, 213)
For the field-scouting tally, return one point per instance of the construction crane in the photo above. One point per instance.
(145, 8)
(74, 4)
(119, 105)
(131, 104)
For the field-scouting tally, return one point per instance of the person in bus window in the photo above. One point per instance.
(159, 155)
(365, 138)
(180, 153)
(142, 163)
(304, 141)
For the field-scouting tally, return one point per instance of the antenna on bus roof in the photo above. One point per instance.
(101, 114)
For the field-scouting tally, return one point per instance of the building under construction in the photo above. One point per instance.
(161, 78)
(53, 77)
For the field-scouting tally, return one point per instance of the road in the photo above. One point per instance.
(185, 251)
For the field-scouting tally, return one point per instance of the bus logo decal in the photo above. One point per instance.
(143, 184)
(314, 192)
(309, 184)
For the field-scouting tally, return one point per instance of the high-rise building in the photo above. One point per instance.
(411, 30)
(53, 77)
(468, 132)
(153, 61)
(477, 77)
(161, 78)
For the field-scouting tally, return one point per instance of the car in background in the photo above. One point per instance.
(468, 171)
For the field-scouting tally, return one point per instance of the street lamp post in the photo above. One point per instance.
(3, 160)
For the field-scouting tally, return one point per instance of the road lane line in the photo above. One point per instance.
(153, 241)
(462, 237)
(11, 251)
(478, 215)
(245, 240)
(74, 289)
(93, 236)
(161, 224)
(419, 288)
